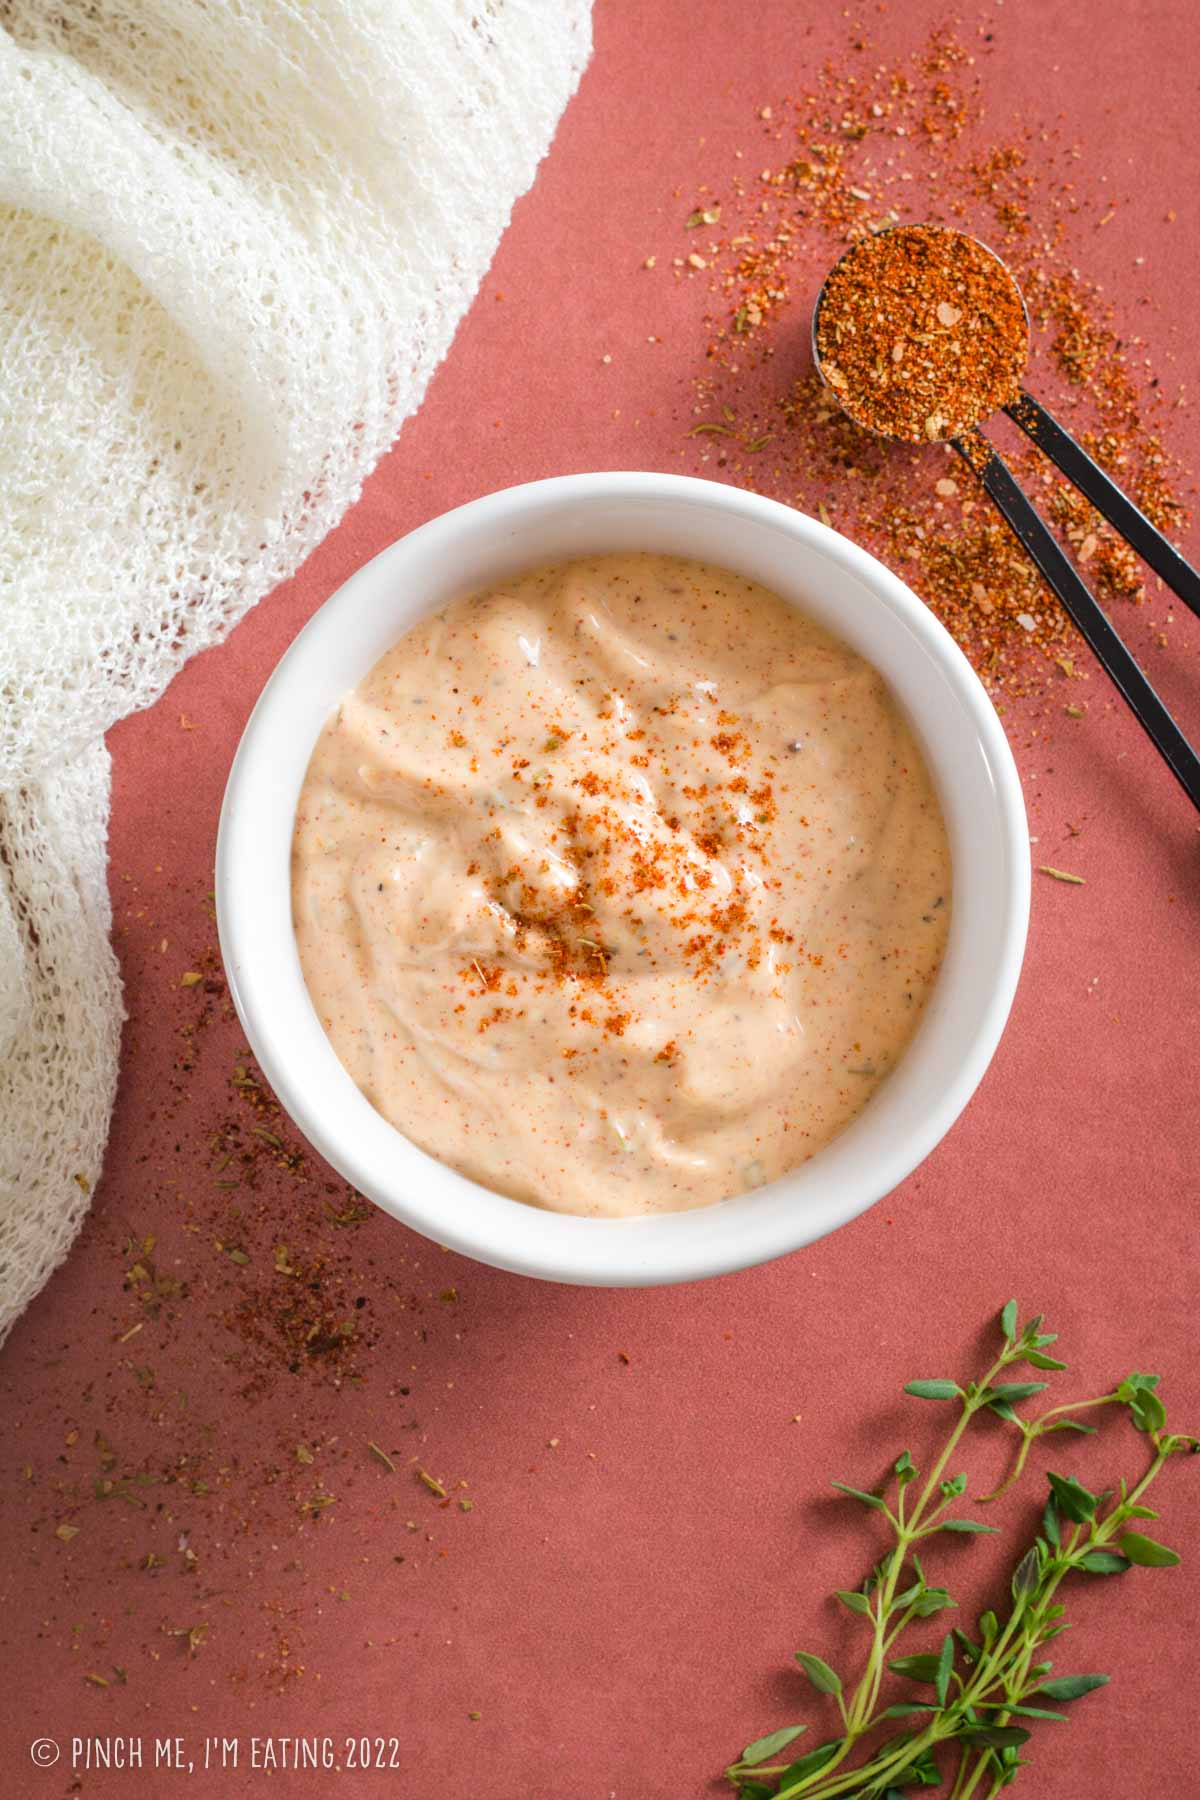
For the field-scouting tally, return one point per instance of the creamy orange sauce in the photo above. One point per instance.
(620, 886)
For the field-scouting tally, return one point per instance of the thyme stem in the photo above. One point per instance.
(983, 1703)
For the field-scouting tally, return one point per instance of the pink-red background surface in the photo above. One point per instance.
(650, 1538)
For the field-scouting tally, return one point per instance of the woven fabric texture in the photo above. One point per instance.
(236, 238)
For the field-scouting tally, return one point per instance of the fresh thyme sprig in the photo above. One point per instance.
(972, 1730)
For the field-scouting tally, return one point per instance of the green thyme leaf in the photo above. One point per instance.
(1017, 1390)
(945, 1668)
(922, 1771)
(1145, 1552)
(858, 1603)
(1039, 1360)
(823, 1678)
(1026, 1574)
(965, 1525)
(1071, 1687)
(1103, 1562)
(1147, 1410)
(768, 1746)
(917, 1668)
(933, 1600)
(872, 1500)
(808, 1765)
(917, 1775)
(1008, 1321)
(996, 1737)
(1074, 1502)
(1050, 1525)
(1137, 1383)
(933, 1390)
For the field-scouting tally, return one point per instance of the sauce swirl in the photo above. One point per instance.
(620, 886)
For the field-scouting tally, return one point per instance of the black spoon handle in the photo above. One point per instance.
(1044, 548)
(1108, 499)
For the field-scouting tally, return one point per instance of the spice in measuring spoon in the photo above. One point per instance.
(921, 332)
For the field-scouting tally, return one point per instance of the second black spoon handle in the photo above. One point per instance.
(1154, 549)
(1085, 610)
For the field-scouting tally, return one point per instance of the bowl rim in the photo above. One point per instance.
(662, 1248)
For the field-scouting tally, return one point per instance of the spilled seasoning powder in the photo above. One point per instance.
(254, 1327)
(871, 144)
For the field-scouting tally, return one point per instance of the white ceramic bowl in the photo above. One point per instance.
(837, 584)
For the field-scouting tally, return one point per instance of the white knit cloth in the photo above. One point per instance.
(236, 238)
